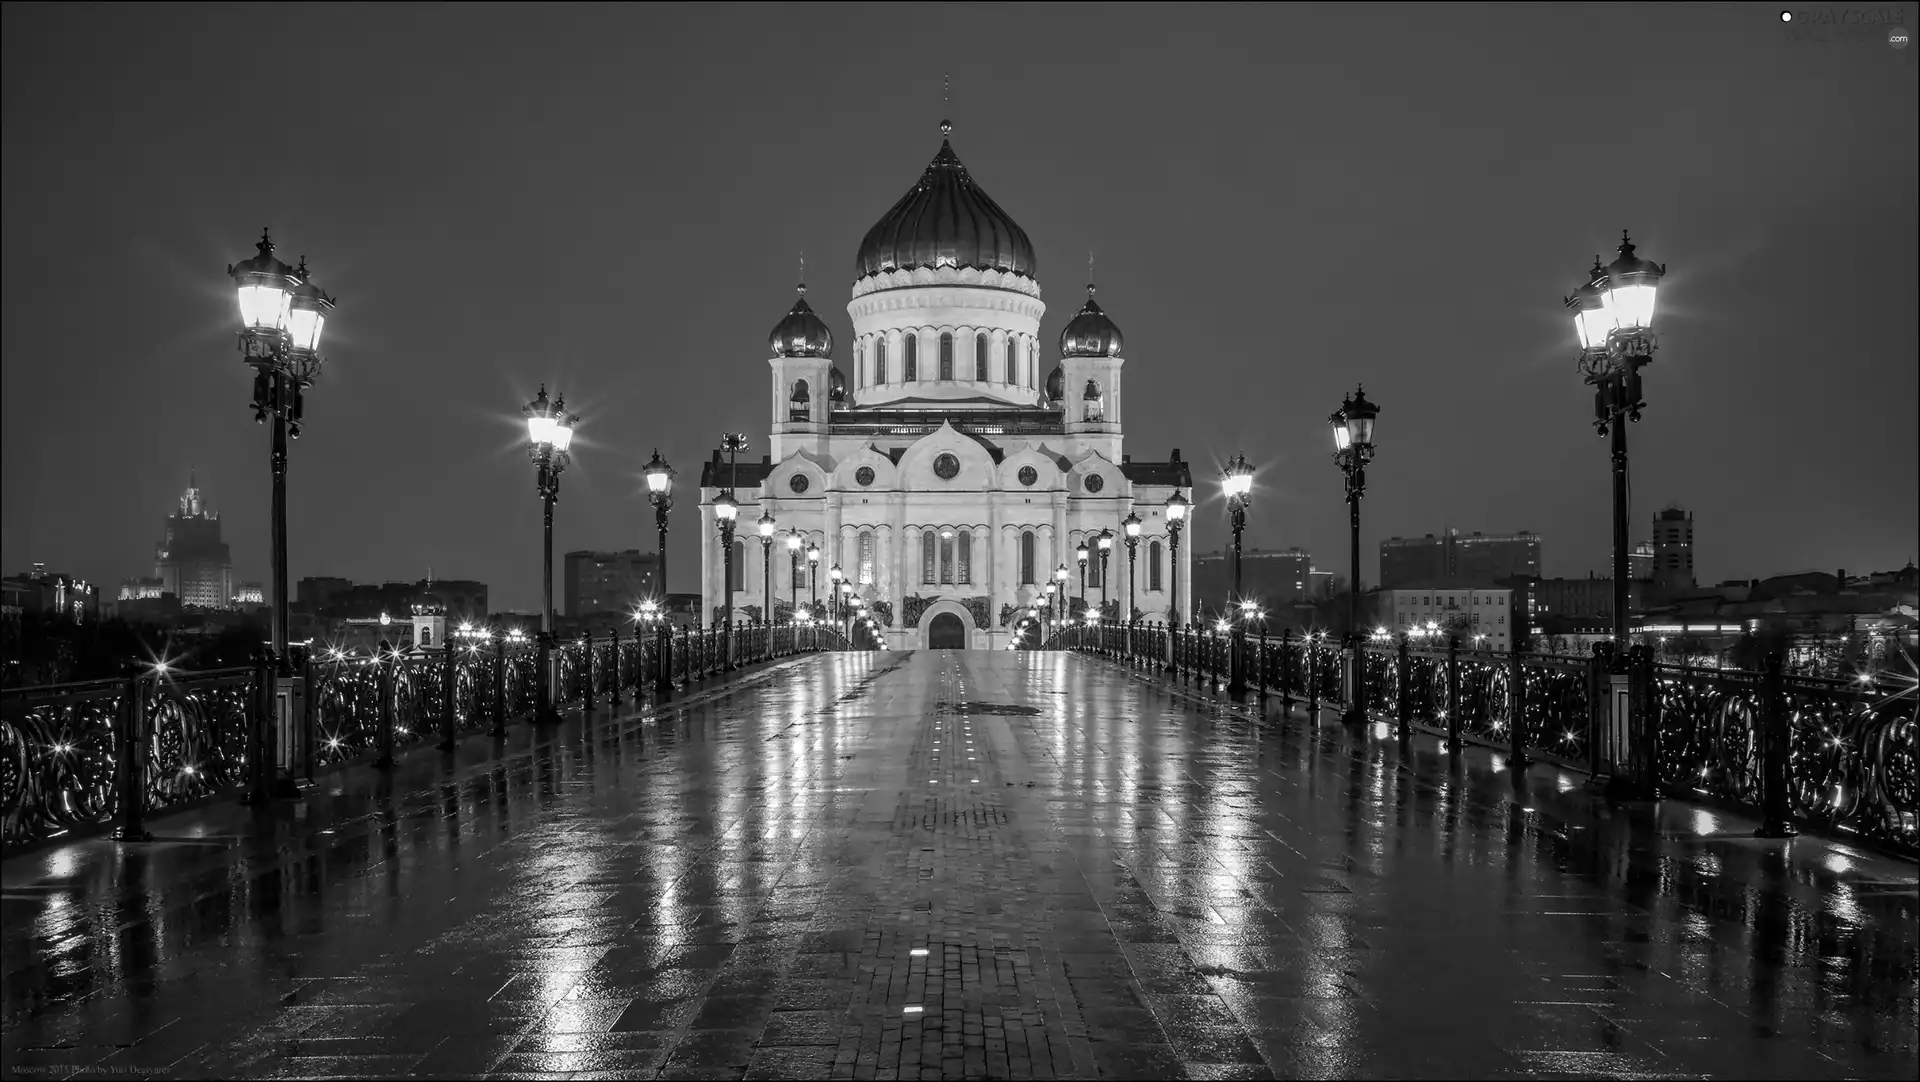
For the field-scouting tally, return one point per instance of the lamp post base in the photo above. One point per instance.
(1353, 716)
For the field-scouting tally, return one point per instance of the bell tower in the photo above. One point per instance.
(803, 381)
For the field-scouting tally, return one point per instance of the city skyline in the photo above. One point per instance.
(1257, 252)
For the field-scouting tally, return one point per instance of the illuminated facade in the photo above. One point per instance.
(945, 471)
(192, 563)
(1481, 617)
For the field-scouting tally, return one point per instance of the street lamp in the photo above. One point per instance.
(766, 564)
(813, 577)
(834, 575)
(793, 576)
(549, 435)
(1352, 427)
(1080, 554)
(732, 443)
(1060, 577)
(659, 477)
(281, 316)
(1613, 318)
(1176, 518)
(1236, 480)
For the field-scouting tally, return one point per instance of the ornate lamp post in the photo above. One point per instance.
(1613, 317)
(1053, 602)
(1081, 555)
(834, 576)
(1104, 543)
(1237, 482)
(549, 434)
(1352, 427)
(1131, 524)
(660, 493)
(281, 316)
(846, 608)
(1176, 518)
(793, 576)
(725, 510)
(813, 577)
(1060, 577)
(766, 565)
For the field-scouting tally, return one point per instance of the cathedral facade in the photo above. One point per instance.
(940, 471)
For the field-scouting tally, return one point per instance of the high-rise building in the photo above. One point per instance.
(1640, 562)
(615, 582)
(1456, 559)
(1673, 550)
(192, 563)
(1272, 578)
(1481, 617)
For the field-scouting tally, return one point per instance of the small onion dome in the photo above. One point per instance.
(1056, 384)
(1090, 333)
(836, 385)
(801, 333)
(429, 606)
(946, 220)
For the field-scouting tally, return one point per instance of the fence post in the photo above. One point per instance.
(1286, 672)
(1642, 724)
(1775, 738)
(309, 716)
(384, 664)
(1453, 694)
(1312, 661)
(450, 675)
(131, 772)
(260, 792)
(1263, 672)
(1517, 689)
(499, 689)
(586, 671)
(1405, 698)
(614, 690)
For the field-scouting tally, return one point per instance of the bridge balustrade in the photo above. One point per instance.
(84, 756)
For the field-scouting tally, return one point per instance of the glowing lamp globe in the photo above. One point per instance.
(1105, 540)
(1631, 285)
(766, 524)
(1360, 415)
(813, 554)
(793, 542)
(307, 313)
(1080, 553)
(1342, 439)
(1237, 479)
(1132, 525)
(266, 289)
(1060, 573)
(726, 508)
(1176, 507)
(1592, 322)
(659, 476)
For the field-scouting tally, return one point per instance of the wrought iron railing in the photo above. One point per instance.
(63, 765)
(1845, 749)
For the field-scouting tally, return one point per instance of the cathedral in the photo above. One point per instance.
(940, 473)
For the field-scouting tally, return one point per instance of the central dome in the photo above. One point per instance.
(945, 221)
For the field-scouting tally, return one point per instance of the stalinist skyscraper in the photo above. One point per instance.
(192, 562)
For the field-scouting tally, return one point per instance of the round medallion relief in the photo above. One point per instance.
(1095, 482)
(946, 467)
(1029, 476)
(798, 483)
(864, 475)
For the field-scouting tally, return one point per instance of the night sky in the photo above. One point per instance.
(1283, 201)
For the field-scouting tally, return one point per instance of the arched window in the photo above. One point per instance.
(866, 558)
(929, 570)
(739, 565)
(912, 362)
(1031, 364)
(800, 403)
(946, 559)
(946, 355)
(426, 636)
(1093, 404)
(1026, 558)
(1153, 566)
(980, 358)
(860, 367)
(1011, 371)
(880, 361)
(1094, 577)
(964, 572)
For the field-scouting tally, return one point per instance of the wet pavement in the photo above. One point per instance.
(983, 865)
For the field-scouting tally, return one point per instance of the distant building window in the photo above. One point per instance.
(1026, 558)
(913, 358)
(946, 560)
(964, 573)
(1012, 372)
(946, 356)
(980, 358)
(1153, 566)
(866, 558)
(880, 361)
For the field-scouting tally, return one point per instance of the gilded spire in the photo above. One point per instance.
(946, 102)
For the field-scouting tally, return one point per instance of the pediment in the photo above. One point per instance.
(886, 475)
(814, 467)
(976, 462)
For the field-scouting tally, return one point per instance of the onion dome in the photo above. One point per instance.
(945, 221)
(1090, 333)
(836, 385)
(801, 333)
(1056, 384)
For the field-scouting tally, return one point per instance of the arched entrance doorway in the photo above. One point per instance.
(946, 632)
